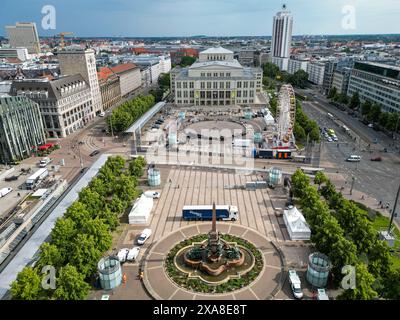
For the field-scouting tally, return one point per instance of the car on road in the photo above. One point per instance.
(102, 114)
(155, 126)
(329, 139)
(11, 178)
(371, 125)
(335, 138)
(5, 191)
(152, 194)
(94, 153)
(376, 158)
(133, 254)
(122, 254)
(353, 158)
(146, 233)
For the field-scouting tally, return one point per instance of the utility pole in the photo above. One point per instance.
(394, 210)
(352, 185)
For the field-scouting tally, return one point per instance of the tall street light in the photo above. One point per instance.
(394, 210)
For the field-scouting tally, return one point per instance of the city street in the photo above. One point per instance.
(377, 179)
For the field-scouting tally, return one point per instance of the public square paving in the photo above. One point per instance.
(259, 221)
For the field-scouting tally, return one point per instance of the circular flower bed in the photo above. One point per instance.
(197, 285)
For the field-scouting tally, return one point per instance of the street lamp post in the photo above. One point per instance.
(394, 210)
(352, 185)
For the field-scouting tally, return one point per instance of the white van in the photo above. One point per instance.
(353, 158)
(5, 191)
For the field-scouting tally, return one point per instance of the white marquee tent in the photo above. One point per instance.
(296, 224)
(141, 210)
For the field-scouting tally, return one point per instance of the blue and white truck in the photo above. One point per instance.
(204, 212)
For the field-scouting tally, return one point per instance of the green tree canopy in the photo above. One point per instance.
(71, 285)
(364, 286)
(27, 286)
(354, 102)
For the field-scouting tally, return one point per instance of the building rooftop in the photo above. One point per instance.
(217, 50)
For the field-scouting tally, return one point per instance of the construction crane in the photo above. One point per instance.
(62, 37)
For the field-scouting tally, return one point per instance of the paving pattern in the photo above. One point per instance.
(265, 286)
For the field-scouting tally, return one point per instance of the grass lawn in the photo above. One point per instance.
(381, 223)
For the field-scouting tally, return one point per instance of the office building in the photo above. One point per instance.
(21, 128)
(130, 78)
(151, 66)
(83, 62)
(109, 87)
(376, 82)
(14, 53)
(24, 34)
(65, 103)
(295, 65)
(340, 81)
(316, 72)
(215, 79)
(247, 57)
(282, 38)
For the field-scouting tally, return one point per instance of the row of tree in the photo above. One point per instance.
(304, 126)
(127, 113)
(80, 238)
(371, 111)
(271, 73)
(343, 232)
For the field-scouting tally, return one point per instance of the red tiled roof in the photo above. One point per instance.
(104, 73)
(13, 60)
(123, 67)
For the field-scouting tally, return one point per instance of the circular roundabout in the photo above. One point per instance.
(195, 263)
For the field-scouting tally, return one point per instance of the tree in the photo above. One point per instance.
(136, 167)
(299, 132)
(320, 178)
(27, 286)
(63, 235)
(299, 182)
(164, 81)
(49, 255)
(332, 93)
(271, 70)
(375, 112)
(71, 285)
(100, 232)
(84, 254)
(354, 101)
(391, 284)
(383, 119)
(393, 121)
(187, 61)
(364, 283)
(298, 79)
(366, 107)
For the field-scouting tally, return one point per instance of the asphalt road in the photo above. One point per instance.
(377, 179)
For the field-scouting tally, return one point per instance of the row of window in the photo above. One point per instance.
(216, 84)
(215, 74)
(214, 103)
(215, 94)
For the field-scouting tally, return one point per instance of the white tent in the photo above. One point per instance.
(269, 119)
(296, 224)
(141, 210)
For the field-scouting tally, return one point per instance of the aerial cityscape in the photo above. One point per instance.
(200, 150)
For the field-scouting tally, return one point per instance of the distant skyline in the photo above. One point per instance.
(169, 18)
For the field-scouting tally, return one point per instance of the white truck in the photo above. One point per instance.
(5, 191)
(44, 162)
(295, 284)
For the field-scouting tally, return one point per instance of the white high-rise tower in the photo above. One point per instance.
(282, 38)
(83, 62)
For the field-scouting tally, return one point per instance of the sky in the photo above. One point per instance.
(159, 18)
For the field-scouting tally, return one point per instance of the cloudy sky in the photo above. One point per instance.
(204, 17)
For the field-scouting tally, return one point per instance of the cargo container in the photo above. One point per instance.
(204, 212)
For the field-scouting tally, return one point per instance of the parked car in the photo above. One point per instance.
(152, 194)
(133, 254)
(146, 233)
(155, 126)
(370, 125)
(94, 153)
(122, 254)
(335, 138)
(5, 191)
(295, 284)
(102, 114)
(377, 158)
(329, 139)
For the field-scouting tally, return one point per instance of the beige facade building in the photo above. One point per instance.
(25, 35)
(83, 62)
(130, 77)
(216, 79)
(65, 103)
